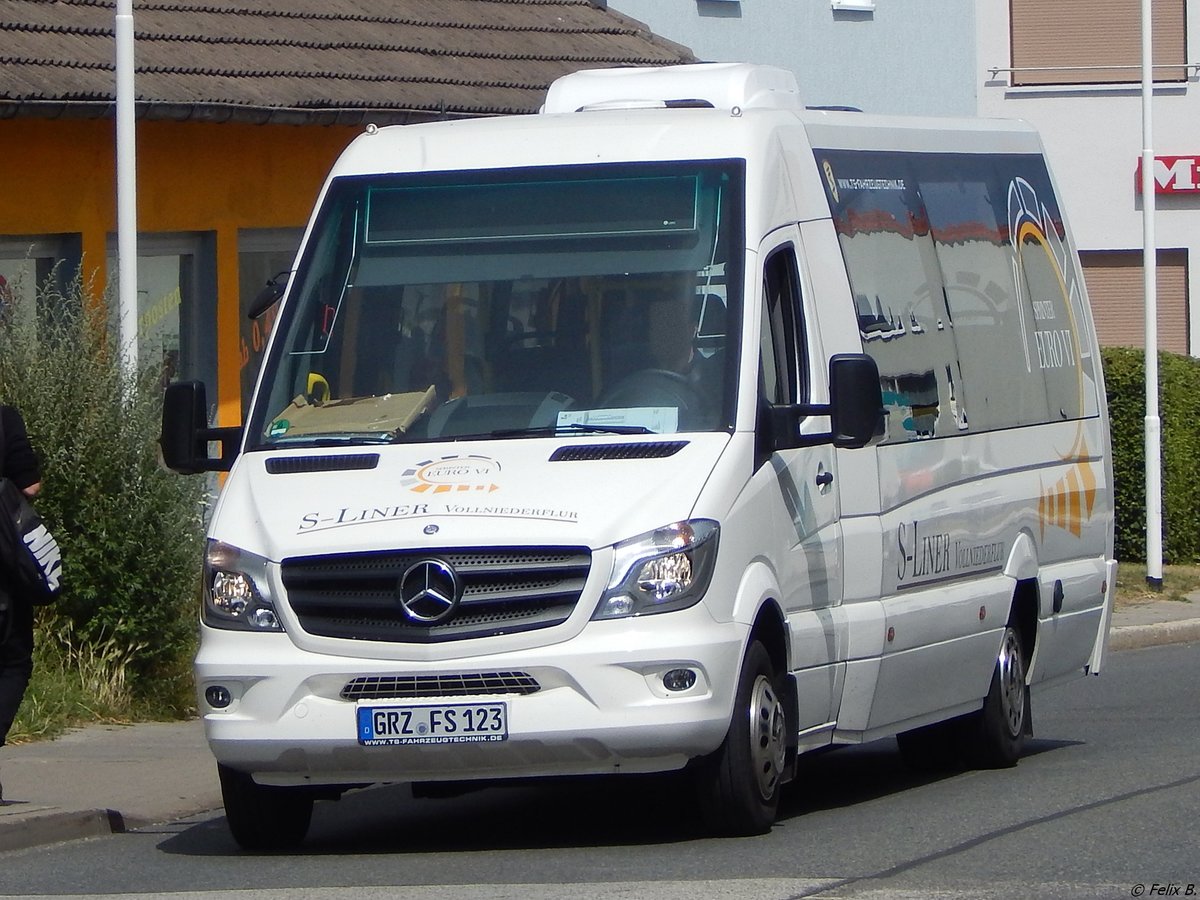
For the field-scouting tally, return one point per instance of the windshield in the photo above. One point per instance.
(572, 300)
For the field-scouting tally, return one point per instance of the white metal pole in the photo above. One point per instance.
(1150, 269)
(126, 189)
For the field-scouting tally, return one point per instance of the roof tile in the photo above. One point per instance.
(312, 60)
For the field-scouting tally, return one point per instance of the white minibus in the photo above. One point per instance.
(676, 428)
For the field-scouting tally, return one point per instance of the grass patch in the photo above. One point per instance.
(80, 681)
(1178, 582)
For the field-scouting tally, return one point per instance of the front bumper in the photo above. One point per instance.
(601, 706)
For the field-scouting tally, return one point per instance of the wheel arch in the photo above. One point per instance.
(758, 605)
(1023, 616)
(1022, 566)
(770, 629)
(1022, 562)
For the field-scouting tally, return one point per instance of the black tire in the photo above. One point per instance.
(264, 818)
(934, 748)
(994, 737)
(742, 779)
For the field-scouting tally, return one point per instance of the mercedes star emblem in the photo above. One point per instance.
(429, 592)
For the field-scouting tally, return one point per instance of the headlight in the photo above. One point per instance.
(661, 571)
(237, 592)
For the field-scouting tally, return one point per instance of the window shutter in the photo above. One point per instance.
(1116, 292)
(1092, 34)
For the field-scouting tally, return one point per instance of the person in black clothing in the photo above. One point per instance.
(19, 465)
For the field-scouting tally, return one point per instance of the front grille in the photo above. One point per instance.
(504, 591)
(381, 687)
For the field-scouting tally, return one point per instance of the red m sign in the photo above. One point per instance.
(1172, 175)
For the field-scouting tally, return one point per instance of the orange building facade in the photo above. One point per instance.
(221, 209)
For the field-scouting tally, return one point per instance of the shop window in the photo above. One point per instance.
(36, 274)
(176, 304)
(1094, 41)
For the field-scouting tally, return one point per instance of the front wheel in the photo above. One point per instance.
(741, 780)
(995, 736)
(264, 818)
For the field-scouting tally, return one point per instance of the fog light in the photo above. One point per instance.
(679, 679)
(265, 619)
(217, 697)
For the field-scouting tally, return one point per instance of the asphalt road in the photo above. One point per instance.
(1103, 805)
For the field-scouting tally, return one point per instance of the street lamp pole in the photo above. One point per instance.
(126, 189)
(1153, 424)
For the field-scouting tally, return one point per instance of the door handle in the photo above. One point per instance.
(824, 479)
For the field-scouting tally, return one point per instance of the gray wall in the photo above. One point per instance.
(913, 57)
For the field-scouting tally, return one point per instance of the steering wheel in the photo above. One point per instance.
(652, 387)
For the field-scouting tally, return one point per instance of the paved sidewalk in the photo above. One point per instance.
(110, 778)
(104, 779)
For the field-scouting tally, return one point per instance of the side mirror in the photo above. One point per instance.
(857, 417)
(185, 433)
(271, 294)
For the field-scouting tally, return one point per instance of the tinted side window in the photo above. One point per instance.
(898, 290)
(780, 354)
(1051, 287)
(990, 325)
(966, 294)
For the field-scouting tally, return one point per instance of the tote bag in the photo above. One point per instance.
(29, 554)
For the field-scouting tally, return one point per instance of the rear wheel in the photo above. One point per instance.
(262, 817)
(934, 748)
(742, 779)
(995, 736)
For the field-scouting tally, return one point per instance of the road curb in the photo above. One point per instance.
(56, 825)
(1135, 637)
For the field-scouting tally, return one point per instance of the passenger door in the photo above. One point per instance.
(802, 495)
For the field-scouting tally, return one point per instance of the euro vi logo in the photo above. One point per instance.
(453, 474)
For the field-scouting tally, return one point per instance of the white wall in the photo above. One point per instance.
(1093, 137)
(913, 57)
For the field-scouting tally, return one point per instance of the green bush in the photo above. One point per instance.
(1179, 411)
(1179, 378)
(131, 533)
(1125, 384)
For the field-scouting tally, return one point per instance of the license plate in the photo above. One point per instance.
(458, 723)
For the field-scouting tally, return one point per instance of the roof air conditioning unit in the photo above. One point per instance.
(717, 85)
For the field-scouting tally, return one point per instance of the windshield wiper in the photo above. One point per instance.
(337, 438)
(571, 428)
